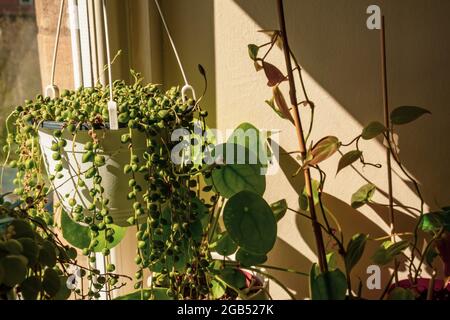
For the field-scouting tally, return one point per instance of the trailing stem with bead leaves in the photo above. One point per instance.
(35, 264)
(187, 216)
(327, 281)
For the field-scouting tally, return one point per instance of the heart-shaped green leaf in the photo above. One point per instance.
(355, 250)
(248, 136)
(15, 269)
(247, 259)
(331, 285)
(348, 159)
(79, 236)
(253, 51)
(225, 246)
(434, 221)
(232, 277)
(74, 233)
(373, 130)
(407, 114)
(363, 195)
(119, 234)
(217, 289)
(279, 209)
(236, 174)
(388, 251)
(250, 222)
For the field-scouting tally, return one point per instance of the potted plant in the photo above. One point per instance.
(108, 179)
(231, 236)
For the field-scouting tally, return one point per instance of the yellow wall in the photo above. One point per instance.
(341, 61)
(340, 57)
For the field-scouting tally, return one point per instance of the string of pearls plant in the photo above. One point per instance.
(166, 209)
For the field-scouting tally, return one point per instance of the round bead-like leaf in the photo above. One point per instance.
(51, 283)
(30, 250)
(30, 288)
(47, 254)
(15, 270)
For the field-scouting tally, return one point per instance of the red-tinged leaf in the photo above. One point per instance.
(281, 104)
(273, 74)
(324, 149)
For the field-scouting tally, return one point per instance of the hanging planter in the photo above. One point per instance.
(90, 167)
(114, 179)
(107, 152)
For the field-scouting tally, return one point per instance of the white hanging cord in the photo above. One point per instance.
(186, 86)
(112, 105)
(108, 53)
(55, 51)
(52, 90)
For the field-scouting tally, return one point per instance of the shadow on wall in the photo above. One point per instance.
(351, 222)
(342, 55)
(339, 52)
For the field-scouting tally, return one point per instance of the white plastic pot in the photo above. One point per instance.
(114, 180)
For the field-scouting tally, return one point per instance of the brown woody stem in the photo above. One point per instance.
(301, 140)
(387, 124)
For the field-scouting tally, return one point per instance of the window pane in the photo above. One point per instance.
(19, 67)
